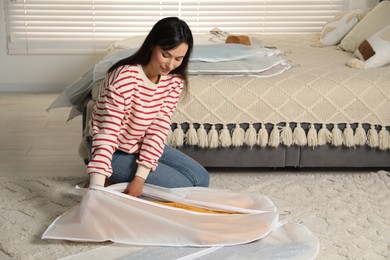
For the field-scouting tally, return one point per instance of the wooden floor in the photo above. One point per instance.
(34, 142)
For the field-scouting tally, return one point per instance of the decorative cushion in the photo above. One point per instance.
(373, 52)
(372, 22)
(336, 28)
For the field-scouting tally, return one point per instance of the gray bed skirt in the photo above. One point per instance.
(282, 156)
(291, 156)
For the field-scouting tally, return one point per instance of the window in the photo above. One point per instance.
(90, 26)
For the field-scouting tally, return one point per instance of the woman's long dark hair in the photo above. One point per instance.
(168, 33)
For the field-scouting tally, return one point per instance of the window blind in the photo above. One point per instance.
(90, 26)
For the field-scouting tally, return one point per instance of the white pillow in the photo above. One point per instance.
(336, 28)
(373, 52)
(372, 22)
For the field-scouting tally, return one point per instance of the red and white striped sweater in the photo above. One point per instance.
(132, 114)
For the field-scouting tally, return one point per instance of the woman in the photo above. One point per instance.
(133, 113)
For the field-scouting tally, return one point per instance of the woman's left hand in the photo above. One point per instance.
(135, 187)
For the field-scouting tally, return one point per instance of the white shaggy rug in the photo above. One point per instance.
(349, 211)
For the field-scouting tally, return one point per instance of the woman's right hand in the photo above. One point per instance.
(135, 187)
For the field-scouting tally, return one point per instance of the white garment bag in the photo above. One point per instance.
(106, 214)
(288, 241)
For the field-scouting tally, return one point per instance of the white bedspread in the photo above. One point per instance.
(318, 89)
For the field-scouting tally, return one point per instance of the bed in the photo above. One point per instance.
(315, 112)
(319, 113)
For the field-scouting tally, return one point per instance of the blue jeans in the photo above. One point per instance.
(174, 169)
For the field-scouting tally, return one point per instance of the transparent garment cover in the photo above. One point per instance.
(106, 214)
(207, 59)
(288, 241)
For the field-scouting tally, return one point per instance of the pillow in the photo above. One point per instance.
(336, 28)
(373, 52)
(372, 22)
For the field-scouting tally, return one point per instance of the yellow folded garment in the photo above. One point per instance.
(192, 208)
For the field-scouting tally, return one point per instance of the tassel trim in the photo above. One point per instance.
(274, 135)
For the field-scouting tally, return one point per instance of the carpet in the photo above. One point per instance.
(348, 211)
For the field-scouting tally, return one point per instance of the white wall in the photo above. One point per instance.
(52, 73)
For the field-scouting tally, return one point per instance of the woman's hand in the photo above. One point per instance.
(135, 187)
